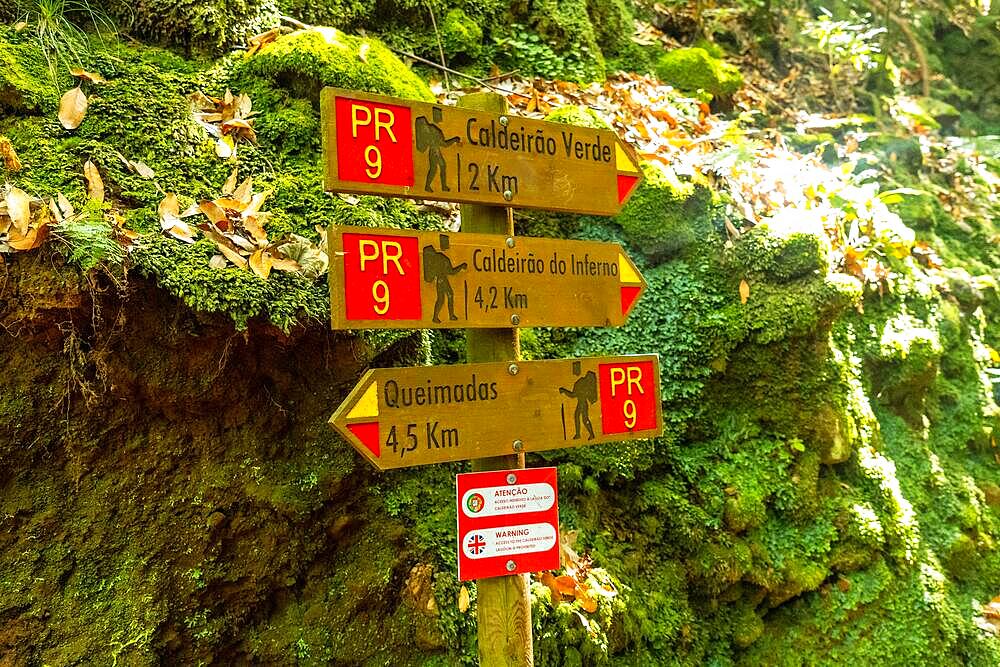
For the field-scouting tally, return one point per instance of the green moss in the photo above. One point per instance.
(284, 298)
(780, 255)
(665, 215)
(693, 69)
(26, 86)
(578, 115)
(460, 35)
(922, 211)
(306, 61)
(210, 26)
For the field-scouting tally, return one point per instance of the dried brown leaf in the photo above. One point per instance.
(95, 184)
(215, 214)
(28, 240)
(142, 169)
(257, 42)
(255, 229)
(549, 579)
(256, 203)
(232, 255)
(19, 209)
(65, 208)
(10, 160)
(260, 263)
(170, 206)
(72, 108)
(285, 264)
(92, 77)
(230, 186)
(566, 585)
(225, 147)
(242, 243)
(586, 600)
(244, 193)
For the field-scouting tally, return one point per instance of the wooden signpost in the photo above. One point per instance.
(401, 148)
(494, 409)
(403, 417)
(384, 278)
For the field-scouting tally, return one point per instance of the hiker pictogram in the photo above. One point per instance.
(585, 392)
(431, 139)
(437, 269)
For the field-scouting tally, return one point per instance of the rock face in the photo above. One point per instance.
(197, 488)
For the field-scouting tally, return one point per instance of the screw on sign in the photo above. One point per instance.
(393, 147)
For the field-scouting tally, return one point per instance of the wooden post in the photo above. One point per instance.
(504, 607)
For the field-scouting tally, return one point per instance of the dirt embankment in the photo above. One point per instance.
(169, 488)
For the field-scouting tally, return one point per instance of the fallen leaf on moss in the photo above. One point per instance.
(72, 108)
(244, 193)
(215, 214)
(95, 184)
(10, 160)
(66, 209)
(240, 129)
(92, 77)
(225, 148)
(566, 585)
(230, 185)
(30, 240)
(217, 262)
(143, 170)
(227, 118)
(170, 221)
(587, 602)
(19, 208)
(363, 52)
(549, 580)
(257, 42)
(744, 291)
(288, 265)
(20, 26)
(261, 262)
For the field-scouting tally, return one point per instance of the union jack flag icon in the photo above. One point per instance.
(477, 544)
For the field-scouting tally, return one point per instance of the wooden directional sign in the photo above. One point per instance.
(388, 278)
(402, 417)
(393, 147)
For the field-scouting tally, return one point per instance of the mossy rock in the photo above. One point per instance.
(306, 61)
(665, 215)
(25, 82)
(781, 255)
(693, 69)
(461, 36)
(566, 39)
(205, 25)
(578, 115)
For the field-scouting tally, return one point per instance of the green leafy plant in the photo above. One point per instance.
(57, 28)
(529, 53)
(90, 241)
(845, 42)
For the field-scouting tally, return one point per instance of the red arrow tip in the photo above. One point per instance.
(629, 295)
(626, 182)
(367, 433)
